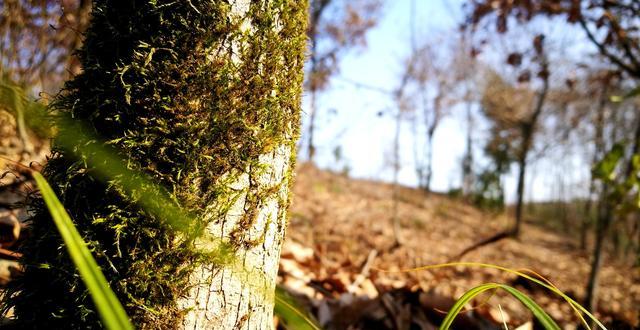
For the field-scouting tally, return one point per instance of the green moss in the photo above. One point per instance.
(163, 85)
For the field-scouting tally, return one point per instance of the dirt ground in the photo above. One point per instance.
(338, 249)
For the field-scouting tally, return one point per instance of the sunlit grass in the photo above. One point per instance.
(579, 309)
(109, 308)
(545, 320)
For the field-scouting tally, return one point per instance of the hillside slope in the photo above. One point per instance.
(338, 242)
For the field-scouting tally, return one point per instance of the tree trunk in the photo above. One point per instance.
(598, 152)
(431, 129)
(203, 97)
(230, 298)
(395, 220)
(522, 169)
(528, 130)
(311, 147)
(429, 175)
(586, 220)
(313, 94)
(467, 161)
(602, 228)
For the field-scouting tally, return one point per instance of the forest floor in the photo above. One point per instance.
(337, 254)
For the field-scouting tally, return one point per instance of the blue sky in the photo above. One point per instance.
(348, 114)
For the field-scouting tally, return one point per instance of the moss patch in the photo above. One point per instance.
(187, 94)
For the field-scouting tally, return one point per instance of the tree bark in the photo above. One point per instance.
(242, 297)
(202, 97)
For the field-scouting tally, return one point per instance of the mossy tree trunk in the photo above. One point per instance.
(203, 97)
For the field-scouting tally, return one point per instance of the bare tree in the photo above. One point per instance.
(37, 38)
(335, 27)
(611, 26)
(518, 111)
(37, 41)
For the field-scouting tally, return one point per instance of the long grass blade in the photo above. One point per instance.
(545, 320)
(111, 311)
(551, 288)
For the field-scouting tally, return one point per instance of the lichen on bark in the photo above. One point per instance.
(205, 99)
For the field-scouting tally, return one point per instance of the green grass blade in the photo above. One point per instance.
(111, 311)
(293, 317)
(574, 305)
(545, 320)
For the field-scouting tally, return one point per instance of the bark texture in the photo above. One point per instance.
(200, 100)
(239, 296)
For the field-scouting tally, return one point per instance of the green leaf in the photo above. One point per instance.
(111, 311)
(545, 320)
(605, 169)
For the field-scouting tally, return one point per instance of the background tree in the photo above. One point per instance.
(430, 73)
(611, 27)
(335, 27)
(439, 79)
(203, 97)
(37, 38)
(516, 112)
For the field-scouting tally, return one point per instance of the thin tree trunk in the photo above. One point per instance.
(419, 166)
(398, 95)
(602, 228)
(311, 147)
(431, 129)
(397, 236)
(522, 169)
(313, 102)
(467, 162)
(429, 175)
(528, 130)
(598, 152)
(202, 97)
(584, 224)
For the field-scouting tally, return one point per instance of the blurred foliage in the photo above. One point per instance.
(37, 41)
(30, 114)
(622, 174)
(488, 192)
